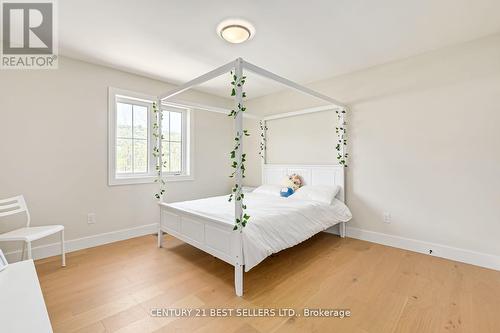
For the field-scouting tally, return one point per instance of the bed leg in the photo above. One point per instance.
(160, 237)
(238, 279)
(343, 229)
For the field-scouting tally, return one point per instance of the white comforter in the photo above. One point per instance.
(275, 224)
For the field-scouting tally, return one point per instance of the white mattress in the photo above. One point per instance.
(275, 224)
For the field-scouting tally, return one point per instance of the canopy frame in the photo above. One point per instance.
(238, 67)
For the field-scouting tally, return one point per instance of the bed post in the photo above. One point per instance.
(238, 266)
(238, 208)
(160, 232)
(342, 229)
(160, 163)
(263, 147)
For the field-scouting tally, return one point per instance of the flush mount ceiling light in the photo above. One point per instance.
(235, 31)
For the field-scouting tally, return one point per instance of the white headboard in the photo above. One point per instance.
(311, 175)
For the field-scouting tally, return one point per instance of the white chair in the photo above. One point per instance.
(16, 205)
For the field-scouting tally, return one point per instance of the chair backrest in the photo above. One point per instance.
(14, 205)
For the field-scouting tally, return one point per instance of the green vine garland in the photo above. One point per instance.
(237, 191)
(158, 114)
(341, 131)
(263, 129)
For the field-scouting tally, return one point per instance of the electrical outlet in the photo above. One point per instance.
(387, 217)
(91, 218)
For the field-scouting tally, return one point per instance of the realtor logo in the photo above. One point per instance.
(28, 35)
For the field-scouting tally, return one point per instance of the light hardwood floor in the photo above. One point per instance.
(112, 288)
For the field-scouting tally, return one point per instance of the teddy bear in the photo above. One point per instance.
(291, 183)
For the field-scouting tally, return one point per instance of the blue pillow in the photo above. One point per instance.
(286, 192)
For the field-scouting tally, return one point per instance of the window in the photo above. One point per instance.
(132, 132)
(131, 140)
(172, 141)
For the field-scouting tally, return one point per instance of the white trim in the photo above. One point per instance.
(255, 69)
(293, 85)
(199, 80)
(116, 94)
(131, 94)
(54, 249)
(186, 146)
(112, 92)
(301, 112)
(204, 107)
(150, 180)
(438, 250)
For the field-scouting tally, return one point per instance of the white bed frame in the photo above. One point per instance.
(218, 238)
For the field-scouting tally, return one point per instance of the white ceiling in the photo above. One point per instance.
(302, 40)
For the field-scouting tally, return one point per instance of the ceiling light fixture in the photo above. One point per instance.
(235, 31)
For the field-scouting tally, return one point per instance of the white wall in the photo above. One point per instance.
(425, 141)
(423, 133)
(53, 149)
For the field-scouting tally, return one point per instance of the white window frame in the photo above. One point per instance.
(184, 140)
(116, 95)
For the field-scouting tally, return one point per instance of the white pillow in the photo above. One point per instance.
(318, 193)
(268, 189)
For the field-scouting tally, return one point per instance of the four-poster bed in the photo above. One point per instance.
(205, 223)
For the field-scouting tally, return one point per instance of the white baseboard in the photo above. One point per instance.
(438, 250)
(48, 250)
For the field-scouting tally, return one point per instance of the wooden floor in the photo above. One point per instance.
(113, 288)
